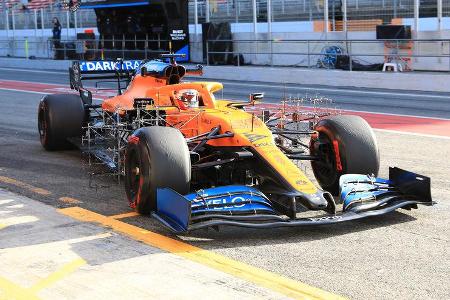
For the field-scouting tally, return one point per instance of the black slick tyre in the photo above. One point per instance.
(345, 145)
(60, 116)
(155, 157)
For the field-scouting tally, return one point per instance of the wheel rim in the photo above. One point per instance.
(133, 177)
(42, 126)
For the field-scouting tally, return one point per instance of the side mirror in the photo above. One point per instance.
(86, 96)
(256, 97)
(144, 71)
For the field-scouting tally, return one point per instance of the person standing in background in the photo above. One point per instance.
(56, 30)
(56, 35)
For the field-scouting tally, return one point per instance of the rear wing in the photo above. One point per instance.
(120, 70)
(123, 70)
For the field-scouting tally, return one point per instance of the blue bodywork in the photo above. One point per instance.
(238, 205)
(356, 188)
(109, 65)
(99, 4)
(155, 66)
(175, 210)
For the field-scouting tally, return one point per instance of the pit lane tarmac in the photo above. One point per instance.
(401, 255)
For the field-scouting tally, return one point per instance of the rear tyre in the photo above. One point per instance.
(60, 116)
(155, 157)
(346, 145)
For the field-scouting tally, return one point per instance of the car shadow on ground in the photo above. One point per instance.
(300, 234)
(231, 236)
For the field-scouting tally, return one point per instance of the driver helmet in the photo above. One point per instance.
(189, 97)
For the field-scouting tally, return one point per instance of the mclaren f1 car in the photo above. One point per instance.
(192, 159)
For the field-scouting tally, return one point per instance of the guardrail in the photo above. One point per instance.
(410, 54)
(83, 49)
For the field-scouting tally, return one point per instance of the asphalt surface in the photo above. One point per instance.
(428, 104)
(403, 255)
(70, 255)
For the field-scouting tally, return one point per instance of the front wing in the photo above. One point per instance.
(362, 196)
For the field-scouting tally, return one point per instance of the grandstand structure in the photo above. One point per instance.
(30, 5)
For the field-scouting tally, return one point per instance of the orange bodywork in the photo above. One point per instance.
(248, 129)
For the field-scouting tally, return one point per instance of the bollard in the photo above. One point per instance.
(207, 52)
(309, 55)
(26, 48)
(349, 50)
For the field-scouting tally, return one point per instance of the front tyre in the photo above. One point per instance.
(345, 145)
(155, 157)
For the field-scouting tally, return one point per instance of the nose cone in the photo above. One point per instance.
(320, 200)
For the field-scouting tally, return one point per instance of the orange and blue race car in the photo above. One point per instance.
(192, 159)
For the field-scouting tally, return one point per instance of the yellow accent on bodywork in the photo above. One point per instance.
(250, 130)
(265, 146)
(211, 86)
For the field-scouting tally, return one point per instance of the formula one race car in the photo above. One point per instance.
(193, 161)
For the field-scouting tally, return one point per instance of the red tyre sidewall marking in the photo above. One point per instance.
(337, 156)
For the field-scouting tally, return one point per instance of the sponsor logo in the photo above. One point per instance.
(254, 137)
(109, 65)
(225, 203)
(71, 5)
(330, 218)
(263, 145)
(178, 35)
(302, 182)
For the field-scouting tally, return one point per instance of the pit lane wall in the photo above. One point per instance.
(408, 81)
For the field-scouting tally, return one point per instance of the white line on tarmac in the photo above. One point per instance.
(414, 134)
(22, 91)
(396, 115)
(35, 92)
(33, 71)
(346, 90)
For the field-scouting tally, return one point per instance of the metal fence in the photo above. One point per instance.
(446, 8)
(409, 55)
(337, 15)
(43, 19)
(83, 49)
(423, 54)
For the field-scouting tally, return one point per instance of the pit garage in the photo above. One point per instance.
(147, 28)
